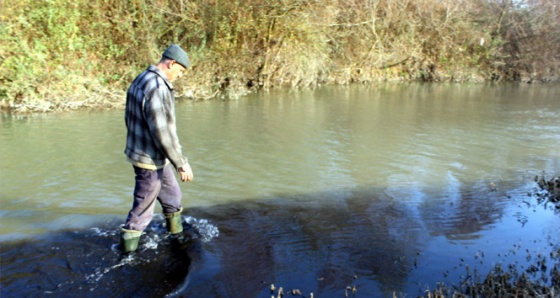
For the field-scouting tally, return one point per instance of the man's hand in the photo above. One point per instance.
(185, 172)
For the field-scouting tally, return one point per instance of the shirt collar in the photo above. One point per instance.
(160, 73)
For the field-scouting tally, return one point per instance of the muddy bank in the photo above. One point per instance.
(549, 190)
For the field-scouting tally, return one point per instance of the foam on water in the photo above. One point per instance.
(99, 272)
(204, 229)
(153, 236)
(157, 231)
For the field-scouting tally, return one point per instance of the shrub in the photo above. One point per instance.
(59, 54)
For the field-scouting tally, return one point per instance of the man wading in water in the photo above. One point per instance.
(152, 144)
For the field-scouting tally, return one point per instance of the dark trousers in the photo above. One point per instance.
(151, 185)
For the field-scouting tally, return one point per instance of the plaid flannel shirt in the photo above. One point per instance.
(152, 139)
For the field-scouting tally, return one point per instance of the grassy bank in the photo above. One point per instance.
(66, 54)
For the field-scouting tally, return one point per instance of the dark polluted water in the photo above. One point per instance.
(89, 263)
(355, 243)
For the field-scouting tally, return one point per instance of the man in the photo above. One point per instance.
(152, 145)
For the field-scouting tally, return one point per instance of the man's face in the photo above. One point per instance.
(176, 70)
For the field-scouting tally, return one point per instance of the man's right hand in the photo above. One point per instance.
(185, 172)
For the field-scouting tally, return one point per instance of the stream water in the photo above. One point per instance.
(385, 189)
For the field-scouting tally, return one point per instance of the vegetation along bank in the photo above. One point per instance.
(70, 54)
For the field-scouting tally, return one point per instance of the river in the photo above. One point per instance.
(384, 188)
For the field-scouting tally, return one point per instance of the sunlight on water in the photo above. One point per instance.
(388, 188)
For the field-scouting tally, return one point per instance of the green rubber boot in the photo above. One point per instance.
(130, 239)
(174, 222)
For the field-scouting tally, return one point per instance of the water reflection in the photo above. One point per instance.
(464, 213)
(364, 239)
(381, 187)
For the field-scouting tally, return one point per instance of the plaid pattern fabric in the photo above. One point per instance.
(150, 121)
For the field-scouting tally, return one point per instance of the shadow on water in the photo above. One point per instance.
(358, 240)
(361, 239)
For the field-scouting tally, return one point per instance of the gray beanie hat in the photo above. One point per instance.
(175, 52)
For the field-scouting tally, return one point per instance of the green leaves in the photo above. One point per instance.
(83, 50)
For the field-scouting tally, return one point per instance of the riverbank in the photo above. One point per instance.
(63, 55)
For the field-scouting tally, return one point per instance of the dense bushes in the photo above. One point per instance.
(73, 53)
